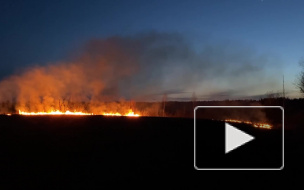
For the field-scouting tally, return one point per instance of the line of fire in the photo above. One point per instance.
(140, 109)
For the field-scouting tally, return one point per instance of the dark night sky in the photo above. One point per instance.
(39, 32)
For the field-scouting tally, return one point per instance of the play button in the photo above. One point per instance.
(235, 138)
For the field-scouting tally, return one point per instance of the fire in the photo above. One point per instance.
(57, 112)
(257, 125)
(112, 114)
(129, 114)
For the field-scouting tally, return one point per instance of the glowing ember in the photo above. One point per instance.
(53, 113)
(257, 125)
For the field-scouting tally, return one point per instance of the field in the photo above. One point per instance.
(85, 150)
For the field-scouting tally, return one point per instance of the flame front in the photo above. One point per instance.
(257, 125)
(57, 112)
(129, 114)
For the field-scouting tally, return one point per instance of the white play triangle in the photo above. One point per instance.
(235, 138)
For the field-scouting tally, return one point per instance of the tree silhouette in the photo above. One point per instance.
(300, 80)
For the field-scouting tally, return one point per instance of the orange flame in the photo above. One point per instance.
(129, 114)
(257, 125)
(57, 112)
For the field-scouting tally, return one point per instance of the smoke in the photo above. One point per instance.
(105, 72)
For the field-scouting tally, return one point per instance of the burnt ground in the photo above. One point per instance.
(83, 151)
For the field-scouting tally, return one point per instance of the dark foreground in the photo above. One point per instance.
(84, 151)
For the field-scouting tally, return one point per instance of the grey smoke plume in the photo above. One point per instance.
(133, 67)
